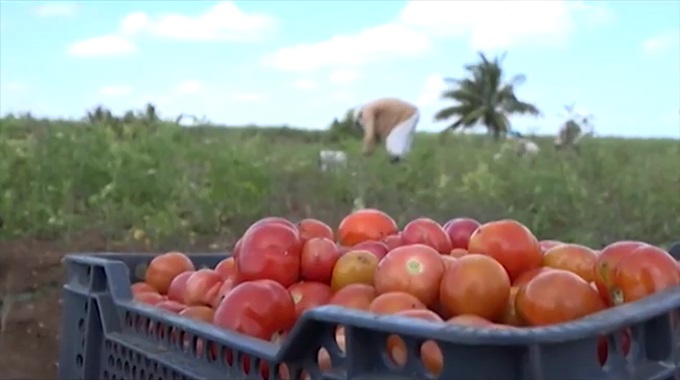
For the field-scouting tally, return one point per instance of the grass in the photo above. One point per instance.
(164, 185)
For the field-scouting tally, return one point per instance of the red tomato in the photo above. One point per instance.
(314, 228)
(354, 296)
(393, 241)
(415, 269)
(430, 353)
(171, 306)
(393, 302)
(149, 298)
(164, 268)
(270, 251)
(202, 313)
(574, 258)
(308, 295)
(258, 308)
(202, 287)
(178, 286)
(226, 268)
(510, 243)
(142, 287)
(460, 230)
(365, 224)
(318, 259)
(603, 346)
(605, 266)
(428, 232)
(645, 271)
(378, 248)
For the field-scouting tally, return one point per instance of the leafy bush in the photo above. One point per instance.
(164, 184)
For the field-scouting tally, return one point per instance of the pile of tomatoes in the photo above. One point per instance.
(491, 275)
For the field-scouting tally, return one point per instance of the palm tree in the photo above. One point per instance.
(483, 97)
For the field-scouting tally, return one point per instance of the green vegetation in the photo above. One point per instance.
(139, 178)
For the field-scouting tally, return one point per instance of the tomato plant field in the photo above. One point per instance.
(74, 187)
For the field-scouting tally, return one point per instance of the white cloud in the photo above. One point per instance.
(487, 24)
(104, 46)
(500, 24)
(374, 43)
(661, 42)
(55, 9)
(432, 90)
(223, 22)
(245, 96)
(189, 87)
(116, 90)
(343, 76)
(306, 85)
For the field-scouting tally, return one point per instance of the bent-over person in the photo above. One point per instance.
(391, 120)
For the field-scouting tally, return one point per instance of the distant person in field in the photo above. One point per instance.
(390, 120)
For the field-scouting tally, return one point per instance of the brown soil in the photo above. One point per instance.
(32, 275)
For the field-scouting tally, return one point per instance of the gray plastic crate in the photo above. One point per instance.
(105, 335)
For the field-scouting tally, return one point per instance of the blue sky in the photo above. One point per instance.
(302, 63)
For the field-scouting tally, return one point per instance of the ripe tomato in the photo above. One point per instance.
(510, 243)
(308, 295)
(393, 241)
(470, 320)
(392, 302)
(201, 313)
(366, 224)
(149, 298)
(270, 220)
(460, 230)
(603, 346)
(556, 296)
(431, 355)
(574, 258)
(178, 286)
(378, 248)
(354, 296)
(171, 306)
(510, 315)
(314, 228)
(142, 287)
(319, 256)
(428, 232)
(475, 284)
(237, 248)
(415, 269)
(226, 268)
(458, 252)
(354, 267)
(645, 271)
(227, 286)
(163, 268)
(258, 308)
(447, 260)
(547, 244)
(528, 275)
(270, 251)
(605, 265)
(202, 287)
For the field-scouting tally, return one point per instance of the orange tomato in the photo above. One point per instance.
(470, 320)
(363, 225)
(475, 284)
(431, 355)
(605, 265)
(353, 267)
(556, 296)
(528, 275)
(164, 268)
(354, 296)
(574, 258)
(392, 302)
(415, 269)
(510, 315)
(510, 243)
(645, 271)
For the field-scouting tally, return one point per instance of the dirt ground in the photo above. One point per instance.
(32, 275)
